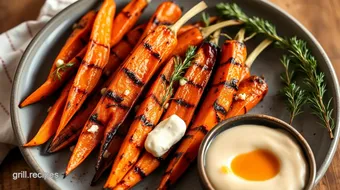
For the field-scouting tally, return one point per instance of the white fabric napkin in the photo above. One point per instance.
(12, 45)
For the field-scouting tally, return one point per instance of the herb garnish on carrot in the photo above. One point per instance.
(303, 59)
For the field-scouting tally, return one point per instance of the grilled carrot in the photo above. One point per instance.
(57, 77)
(255, 88)
(125, 20)
(218, 101)
(167, 13)
(117, 54)
(95, 59)
(148, 114)
(113, 150)
(125, 88)
(183, 104)
(50, 125)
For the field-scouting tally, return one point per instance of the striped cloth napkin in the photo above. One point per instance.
(12, 45)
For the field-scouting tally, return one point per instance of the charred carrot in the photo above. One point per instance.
(50, 125)
(251, 91)
(183, 104)
(125, 88)
(113, 150)
(148, 114)
(118, 53)
(167, 13)
(62, 72)
(216, 106)
(95, 59)
(125, 20)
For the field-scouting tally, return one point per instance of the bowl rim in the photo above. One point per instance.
(248, 119)
(78, 5)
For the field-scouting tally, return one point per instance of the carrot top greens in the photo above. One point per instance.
(301, 57)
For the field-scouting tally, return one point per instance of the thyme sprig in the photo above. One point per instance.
(63, 67)
(296, 97)
(179, 69)
(300, 55)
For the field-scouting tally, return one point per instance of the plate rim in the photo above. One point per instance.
(27, 154)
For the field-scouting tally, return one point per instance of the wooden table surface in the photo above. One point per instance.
(322, 18)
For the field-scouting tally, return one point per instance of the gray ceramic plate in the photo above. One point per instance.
(38, 57)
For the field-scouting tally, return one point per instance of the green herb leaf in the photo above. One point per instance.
(63, 67)
(179, 69)
(300, 56)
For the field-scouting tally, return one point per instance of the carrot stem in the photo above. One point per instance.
(210, 29)
(187, 16)
(253, 55)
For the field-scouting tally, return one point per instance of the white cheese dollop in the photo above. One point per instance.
(241, 96)
(93, 129)
(165, 135)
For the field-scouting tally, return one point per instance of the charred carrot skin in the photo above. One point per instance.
(183, 104)
(74, 44)
(245, 73)
(115, 105)
(50, 125)
(92, 66)
(214, 108)
(167, 13)
(125, 20)
(254, 87)
(148, 114)
(113, 150)
(118, 53)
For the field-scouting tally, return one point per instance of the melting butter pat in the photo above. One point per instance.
(165, 135)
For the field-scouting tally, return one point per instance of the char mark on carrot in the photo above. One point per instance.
(133, 77)
(127, 14)
(119, 105)
(94, 119)
(80, 59)
(229, 84)
(194, 84)
(113, 96)
(156, 100)
(203, 67)
(91, 65)
(154, 54)
(184, 103)
(139, 171)
(201, 128)
(188, 136)
(99, 44)
(233, 61)
(219, 108)
(79, 90)
(145, 121)
(163, 77)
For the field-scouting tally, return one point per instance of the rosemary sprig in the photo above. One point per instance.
(206, 19)
(301, 56)
(296, 97)
(180, 67)
(63, 67)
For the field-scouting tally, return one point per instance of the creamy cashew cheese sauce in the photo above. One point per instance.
(254, 157)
